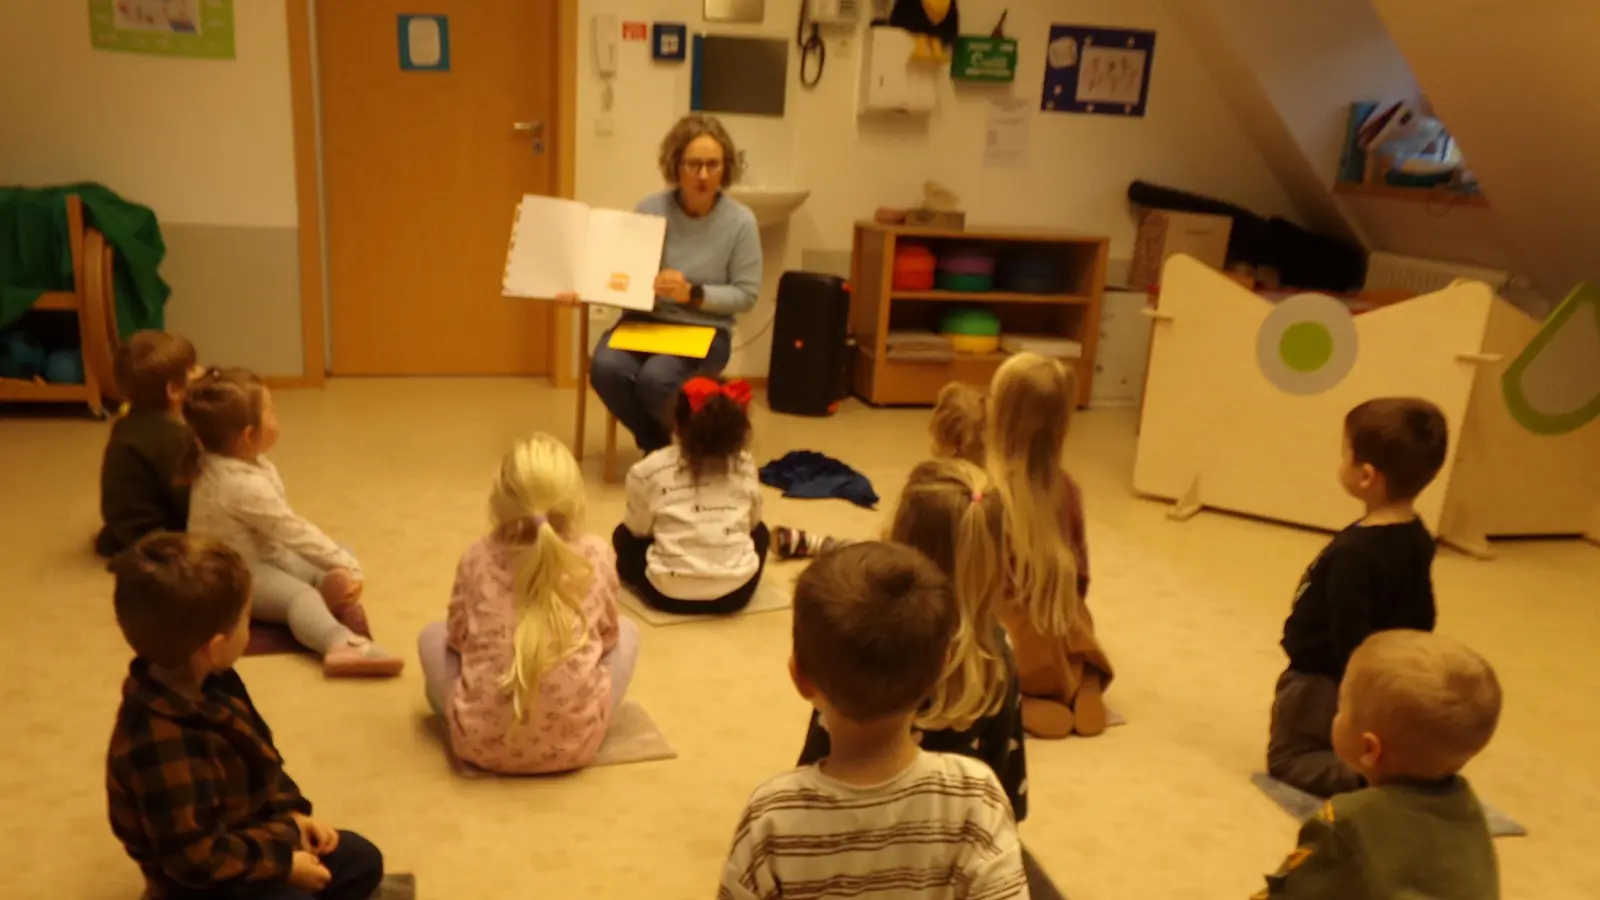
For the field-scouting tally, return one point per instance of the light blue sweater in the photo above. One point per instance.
(720, 251)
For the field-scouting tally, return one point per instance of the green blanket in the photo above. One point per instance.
(34, 256)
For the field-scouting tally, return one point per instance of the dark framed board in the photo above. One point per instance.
(1099, 71)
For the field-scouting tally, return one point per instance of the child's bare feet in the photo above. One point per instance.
(339, 588)
(1048, 719)
(360, 658)
(1090, 705)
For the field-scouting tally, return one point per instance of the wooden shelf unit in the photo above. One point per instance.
(876, 308)
(93, 301)
(1436, 196)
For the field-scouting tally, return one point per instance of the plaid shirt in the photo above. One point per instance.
(197, 791)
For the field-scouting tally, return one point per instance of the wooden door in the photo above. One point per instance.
(422, 172)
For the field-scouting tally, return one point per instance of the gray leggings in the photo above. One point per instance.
(286, 593)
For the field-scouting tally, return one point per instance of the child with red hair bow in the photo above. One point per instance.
(692, 541)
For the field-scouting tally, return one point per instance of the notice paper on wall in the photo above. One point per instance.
(200, 29)
(1005, 142)
(603, 255)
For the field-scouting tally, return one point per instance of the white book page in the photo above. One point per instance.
(623, 258)
(547, 244)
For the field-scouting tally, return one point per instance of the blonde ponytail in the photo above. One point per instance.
(1030, 406)
(947, 512)
(536, 505)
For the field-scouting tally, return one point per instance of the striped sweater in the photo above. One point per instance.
(940, 829)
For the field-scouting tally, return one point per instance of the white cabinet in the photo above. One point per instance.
(891, 81)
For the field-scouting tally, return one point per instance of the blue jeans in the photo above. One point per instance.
(641, 388)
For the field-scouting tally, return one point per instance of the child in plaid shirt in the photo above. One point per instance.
(198, 794)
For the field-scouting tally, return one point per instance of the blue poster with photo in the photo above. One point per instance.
(1100, 71)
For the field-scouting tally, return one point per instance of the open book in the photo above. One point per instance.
(602, 255)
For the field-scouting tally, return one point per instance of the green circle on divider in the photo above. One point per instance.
(1306, 346)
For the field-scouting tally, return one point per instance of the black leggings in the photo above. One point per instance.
(356, 866)
(631, 552)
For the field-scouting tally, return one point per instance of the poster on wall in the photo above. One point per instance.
(198, 29)
(1100, 71)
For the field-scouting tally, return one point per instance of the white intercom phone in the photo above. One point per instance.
(835, 12)
(607, 32)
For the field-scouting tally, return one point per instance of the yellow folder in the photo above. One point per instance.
(692, 341)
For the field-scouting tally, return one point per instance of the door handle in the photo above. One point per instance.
(534, 128)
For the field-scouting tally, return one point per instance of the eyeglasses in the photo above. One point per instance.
(697, 166)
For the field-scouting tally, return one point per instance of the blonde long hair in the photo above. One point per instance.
(537, 502)
(1030, 405)
(948, 512)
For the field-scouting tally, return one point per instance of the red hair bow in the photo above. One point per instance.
(701, 389)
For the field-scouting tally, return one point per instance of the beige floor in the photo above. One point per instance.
(398, 469)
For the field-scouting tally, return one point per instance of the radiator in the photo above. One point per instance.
(1387, 271)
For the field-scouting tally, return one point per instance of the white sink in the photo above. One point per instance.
(772, 205)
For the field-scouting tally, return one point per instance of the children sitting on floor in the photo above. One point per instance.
(301, 576)
(1414, 708)
(873, 627)
(142, 487)
(1063, 669)
(1374, 575)
(949, 513)
(960, 414)
(533, 660)
(692, 541)
(198, 794)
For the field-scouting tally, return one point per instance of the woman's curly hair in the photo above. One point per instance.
(682, 134)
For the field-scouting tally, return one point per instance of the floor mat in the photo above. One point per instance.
(1303, 806)
(268, 638)
(632, 738)
(397, 887)
(768, 598)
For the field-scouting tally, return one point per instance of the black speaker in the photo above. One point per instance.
(809, 350)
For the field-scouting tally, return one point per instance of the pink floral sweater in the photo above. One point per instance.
(573, 707)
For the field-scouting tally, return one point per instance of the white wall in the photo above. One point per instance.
(1315, 59)
(200, 141)
(207, 144)
(1079, 169)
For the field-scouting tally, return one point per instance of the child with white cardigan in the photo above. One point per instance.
(299, 576)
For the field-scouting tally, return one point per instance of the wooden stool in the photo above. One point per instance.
(584, 361)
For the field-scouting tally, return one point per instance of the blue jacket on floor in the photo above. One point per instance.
(809, 475)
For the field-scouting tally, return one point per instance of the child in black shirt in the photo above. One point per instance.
(1373, 576)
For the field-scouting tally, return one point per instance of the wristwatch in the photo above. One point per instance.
(697, 295)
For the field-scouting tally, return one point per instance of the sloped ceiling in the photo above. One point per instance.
(1517, 82)
(1508, 76)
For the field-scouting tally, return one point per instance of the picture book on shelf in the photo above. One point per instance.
(604, 256)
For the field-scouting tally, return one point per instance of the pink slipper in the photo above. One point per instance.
(361, 659)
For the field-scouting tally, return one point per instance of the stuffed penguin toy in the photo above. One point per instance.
(936, 23)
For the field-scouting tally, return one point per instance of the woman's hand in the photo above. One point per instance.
(567, 298)
(673, 286)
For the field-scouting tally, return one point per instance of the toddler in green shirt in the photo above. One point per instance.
(1414, 708)
(142, 488)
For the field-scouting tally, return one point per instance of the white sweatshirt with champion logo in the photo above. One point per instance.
(703, 549)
